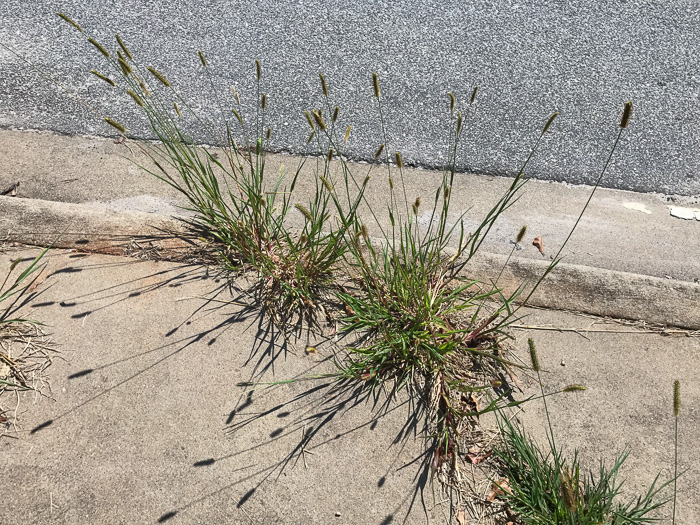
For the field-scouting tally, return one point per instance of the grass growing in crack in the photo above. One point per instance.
(544, 487)
(236, 201)
(21, 369)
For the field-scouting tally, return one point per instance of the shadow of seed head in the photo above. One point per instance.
(521, 234)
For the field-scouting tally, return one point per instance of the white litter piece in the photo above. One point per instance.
(636, 206)
(685, 213)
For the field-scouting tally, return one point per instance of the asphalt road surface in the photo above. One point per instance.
(529, 58)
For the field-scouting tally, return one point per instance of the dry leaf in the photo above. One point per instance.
(540, 245)
(461, 518)
(476, 458)
(498, 489)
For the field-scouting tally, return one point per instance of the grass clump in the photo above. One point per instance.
(235, 200)
(545, 487)
(22, 369)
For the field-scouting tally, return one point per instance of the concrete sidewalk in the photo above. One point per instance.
(147, 423)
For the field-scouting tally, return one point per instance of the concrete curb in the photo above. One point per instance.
(569, 287)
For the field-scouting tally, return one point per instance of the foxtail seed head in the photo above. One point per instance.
(568, 492)
(202, 58)
(676, 398)
(311, 136)
(102, 77)
(70, 21)
(549, 122)
(263, 101)
(136, 98)
(309, 120)
(124, 48)
(452, 101)
(379, 151)
(573, 388)
(177, 109)
(347, 134)
(99, 47)
(375, 85)
(324, 86)
(319, 119)
(238, 116)
(116, 125)
(159, 76)
(304, 212)
(391, 183)
(521, 234)
(329, 156)
(364, 232)
(533, 355)
(258, 69)
(459, 122)
(399, 160)
(626, 114)
(335, 113)
(364, 183)
(416, 205)
(123, 64)
(326, 183)
(268, 134)
(446, 192)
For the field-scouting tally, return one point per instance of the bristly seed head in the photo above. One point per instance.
(533, 355)
(364, 232)
(124, 48)
(159, 76)
(446, 193)
(311, 136)
(549, 122)
(326, 183)
(99, 47)
(365, 181)
(347, 134)
(319, 119)
(263, 102)
(375, 84)
(379, 151)
(568, 492)
(258, 69)
(268, 134)
(452, 101)
(676, 398)
(324, 86)
(238, 116)
(177, 109)
(416, 205)
(304, 212)
(136, 98)
(115, 125)
(102, 77)
(70, 21)
(399, 160)
(123, 64)
(329, 156)
(391, 183)
(309, 120)
(496, 383)
(471, 100)
(202, 58)
(626, 114)
(335, 113)
(574, 388)
(303, 239)
(521, 234)
(459, 122)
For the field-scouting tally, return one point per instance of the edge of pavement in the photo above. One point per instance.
(576, 287)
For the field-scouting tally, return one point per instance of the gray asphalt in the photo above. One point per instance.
(529, 58)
